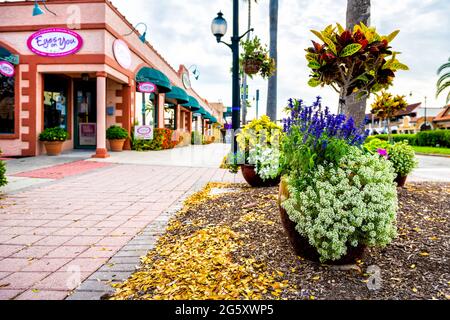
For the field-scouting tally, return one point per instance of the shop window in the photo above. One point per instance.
(169, 116)
(147, 112)
(7, 108)
(55, 101)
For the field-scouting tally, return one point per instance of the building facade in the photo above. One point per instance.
(84, 69)
(413, 119)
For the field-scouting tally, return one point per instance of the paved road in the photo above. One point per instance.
(435, 169)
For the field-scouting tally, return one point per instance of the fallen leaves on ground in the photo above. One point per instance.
(199, 267)
(233, 246)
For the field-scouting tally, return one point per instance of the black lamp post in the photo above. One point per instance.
(219, 29)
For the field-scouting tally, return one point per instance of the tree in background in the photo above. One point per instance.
(444, 81)
(386, 106)
(272, 86)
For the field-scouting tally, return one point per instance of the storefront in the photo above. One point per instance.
(83, 78)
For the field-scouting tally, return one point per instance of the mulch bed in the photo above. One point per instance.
(415, 266)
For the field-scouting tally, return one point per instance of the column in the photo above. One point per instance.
(161, 101)
(101, 151)
(177, 117)
(126, 113)
(190, 122)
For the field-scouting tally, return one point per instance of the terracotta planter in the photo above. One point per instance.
(53, 148)
(401, 181)
(301, 244)
(254, 180)
(251, 66)
(116, 145)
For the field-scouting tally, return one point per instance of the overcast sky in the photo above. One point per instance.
(180, 30)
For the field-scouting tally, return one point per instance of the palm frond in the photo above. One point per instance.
(444, 86)
(444, 66)
(442, 78)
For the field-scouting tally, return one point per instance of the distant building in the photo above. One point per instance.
(442, 120)
(410, 120)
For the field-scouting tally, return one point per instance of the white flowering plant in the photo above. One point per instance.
(266, 160)
(349, 203)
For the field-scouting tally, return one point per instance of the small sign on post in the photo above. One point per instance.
(143, 132)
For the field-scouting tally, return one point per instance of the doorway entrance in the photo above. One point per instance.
(85, 114)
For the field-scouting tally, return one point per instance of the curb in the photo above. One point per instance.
(433, 155)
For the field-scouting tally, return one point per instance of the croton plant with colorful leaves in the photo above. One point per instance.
(353, 61)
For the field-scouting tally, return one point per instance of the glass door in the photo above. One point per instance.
(85, 117)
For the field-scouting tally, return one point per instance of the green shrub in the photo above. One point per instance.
(434, 138)
(411, 138)
(53, 134)
(403, 158)
(3, 180)
(196, 138)
(422, 139)
(345, 204)
(116, 133)
(162, 139)
(376, 144)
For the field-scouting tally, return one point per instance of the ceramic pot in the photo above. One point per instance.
(253, 179)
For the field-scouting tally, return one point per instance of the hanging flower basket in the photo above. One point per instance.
(252, 66)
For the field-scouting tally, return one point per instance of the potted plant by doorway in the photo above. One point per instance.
(53, 139)
(116, 136)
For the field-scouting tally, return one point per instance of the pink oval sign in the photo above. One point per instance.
(144, 130)
(7, 69)
(147, 87)
(55, 42)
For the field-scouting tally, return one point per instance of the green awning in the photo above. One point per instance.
(212, 119)
(178, 94)
(193, 104)
(228, 113)
(147, 74)
(202, 111)
(8, 56)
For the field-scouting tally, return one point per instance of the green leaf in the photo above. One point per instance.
(314, 65)
(330, 45)
(340, 28)
(318, 35)
(313, 82)
(363, 77)
(328, 30)
(392, 35)
(398, 66)
(351, 49)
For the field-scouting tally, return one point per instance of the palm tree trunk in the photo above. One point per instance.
(272, 87)
(357, 11)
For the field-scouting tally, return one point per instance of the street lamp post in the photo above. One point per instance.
(219, 29)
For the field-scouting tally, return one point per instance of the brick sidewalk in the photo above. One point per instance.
(53, 237)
